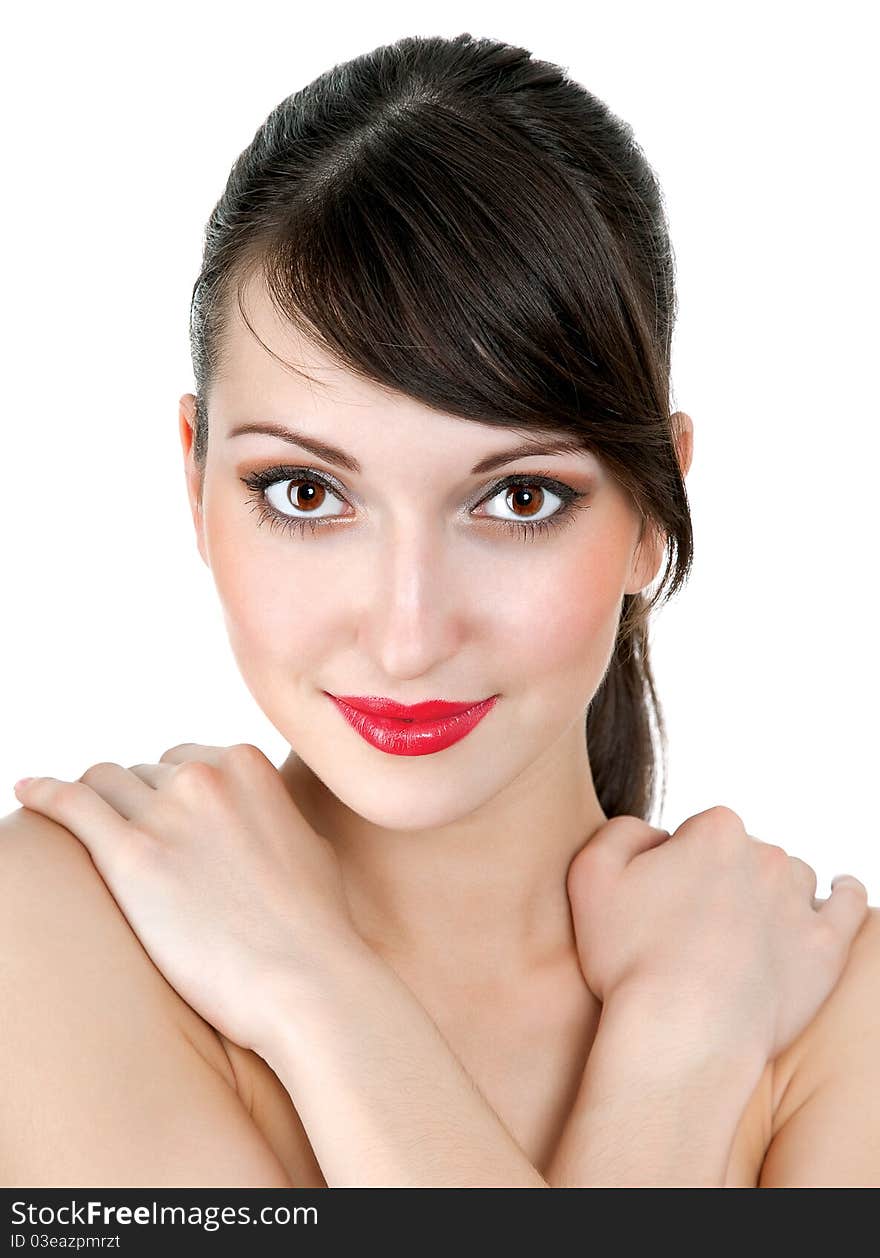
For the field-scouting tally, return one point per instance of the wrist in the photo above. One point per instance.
(303, 985)
(659, 1038)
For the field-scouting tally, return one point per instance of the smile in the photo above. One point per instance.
(400, 737)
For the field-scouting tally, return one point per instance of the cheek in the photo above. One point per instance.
(558, 614)
(271, 592)
(542, 609)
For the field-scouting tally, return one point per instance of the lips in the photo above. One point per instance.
(430, 710)
(404, 736)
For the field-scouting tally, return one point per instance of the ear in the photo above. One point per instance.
(647, 557)
(194, 478)
(683, 433)
(648, 554)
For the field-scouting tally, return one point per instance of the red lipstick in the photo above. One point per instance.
(411, 729)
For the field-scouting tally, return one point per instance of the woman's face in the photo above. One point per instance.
(405, 580)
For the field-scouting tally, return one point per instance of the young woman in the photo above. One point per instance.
(439, 946)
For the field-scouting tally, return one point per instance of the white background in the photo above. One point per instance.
(119, 129)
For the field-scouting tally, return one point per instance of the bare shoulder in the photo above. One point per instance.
(845, 1021)
(826, 1124)
(55, 900)
(99, 1044)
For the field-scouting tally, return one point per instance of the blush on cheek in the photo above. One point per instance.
(557, 640)
(261, 600)
(285, 628)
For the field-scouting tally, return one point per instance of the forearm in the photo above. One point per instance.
(382, 1096)
(657, 1107)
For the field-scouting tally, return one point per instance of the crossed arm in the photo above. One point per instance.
(92, 1034)
(380, 1092)
(359, 1055)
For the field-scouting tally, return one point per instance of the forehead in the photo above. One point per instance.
(291, 381)
(286, 367)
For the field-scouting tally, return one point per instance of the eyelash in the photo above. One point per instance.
(258, 482)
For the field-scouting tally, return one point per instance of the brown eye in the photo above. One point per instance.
(305, 494)
(528, 501)
(301, 497)
(529, 498)
(292, 497)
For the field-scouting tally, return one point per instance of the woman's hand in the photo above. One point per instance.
(712, 924)
(215, 868)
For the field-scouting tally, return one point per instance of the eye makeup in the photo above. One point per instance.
(258, 482)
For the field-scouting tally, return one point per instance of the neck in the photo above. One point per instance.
(482, 896)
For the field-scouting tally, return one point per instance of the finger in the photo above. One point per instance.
(124, 791)
(87, 816)
(623, 838)
(191, 751)
(153, 774)
(846, 907)
(804, 874)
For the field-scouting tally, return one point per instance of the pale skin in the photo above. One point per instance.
(454, 867)
(454, 864)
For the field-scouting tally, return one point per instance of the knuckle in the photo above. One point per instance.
(195, 776)
(719, 825)
(575, 867)
(774, 859)
(849, 882)
(245, 756)
(774, 852)
(804, 871)
(63, 793)
(95, 772)
(725, 819)
(578, 869)
(170, 750)
(623, 821)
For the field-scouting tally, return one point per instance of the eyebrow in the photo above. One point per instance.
(332, 454)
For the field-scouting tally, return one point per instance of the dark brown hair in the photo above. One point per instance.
(466, 225)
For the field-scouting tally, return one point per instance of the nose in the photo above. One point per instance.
(417, 603)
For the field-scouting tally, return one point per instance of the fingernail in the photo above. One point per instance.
(21, 783)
